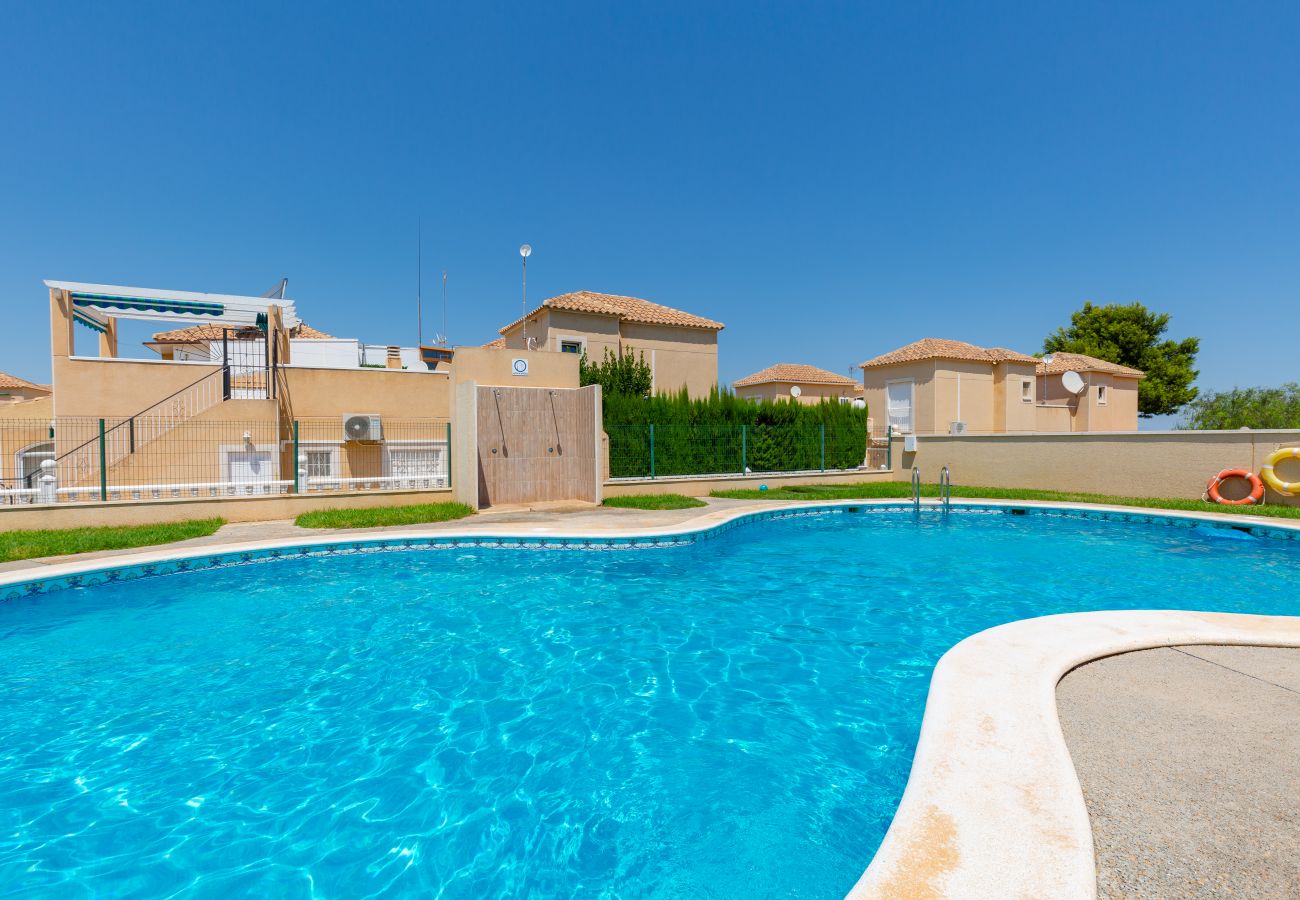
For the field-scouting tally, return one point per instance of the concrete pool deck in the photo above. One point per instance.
(1189, 759)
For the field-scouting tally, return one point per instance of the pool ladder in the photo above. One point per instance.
(945, 487)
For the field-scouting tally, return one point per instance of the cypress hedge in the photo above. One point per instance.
(724, 433)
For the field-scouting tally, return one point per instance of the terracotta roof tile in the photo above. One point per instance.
(629, 309)
(211, 332)
(941, 348)
(794, 373)
(498, 344)
(1062, 362)
(13, 382)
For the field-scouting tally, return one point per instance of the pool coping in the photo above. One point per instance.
(993, 805)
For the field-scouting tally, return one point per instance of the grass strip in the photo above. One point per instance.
(374, 517)
(16, 545)
(882, 490)
(654, 501)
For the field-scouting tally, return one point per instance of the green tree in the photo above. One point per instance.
(624, 374)
(1259, 407)
(1131, 336)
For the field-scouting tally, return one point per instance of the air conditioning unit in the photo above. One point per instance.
(956, 427)
(362, 427)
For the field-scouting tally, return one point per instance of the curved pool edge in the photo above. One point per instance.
(41, 577)
(993, 805)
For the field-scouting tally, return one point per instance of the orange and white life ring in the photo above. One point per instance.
(1256, 487)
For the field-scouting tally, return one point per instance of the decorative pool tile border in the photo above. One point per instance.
(216, 560)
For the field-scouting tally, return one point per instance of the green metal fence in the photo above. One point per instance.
(88, 459)
(659, 451)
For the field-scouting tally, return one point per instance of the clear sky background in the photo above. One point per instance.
(831, 181)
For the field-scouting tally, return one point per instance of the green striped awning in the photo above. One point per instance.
(92, 324)
(138, 304)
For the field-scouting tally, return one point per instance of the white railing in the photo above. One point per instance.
(377, 483)
(124, 437)
(203, 489)
(19, 496)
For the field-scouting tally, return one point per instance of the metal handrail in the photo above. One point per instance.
(945, 487)
(916, 487)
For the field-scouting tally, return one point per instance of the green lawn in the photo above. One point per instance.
(417, 514)
(654, 501)
(15, 545)
(880, 490)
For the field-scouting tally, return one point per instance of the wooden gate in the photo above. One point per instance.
(538, 444)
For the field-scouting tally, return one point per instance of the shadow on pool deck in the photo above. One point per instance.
(1189, 759)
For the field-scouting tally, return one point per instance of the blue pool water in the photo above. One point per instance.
(731, 718)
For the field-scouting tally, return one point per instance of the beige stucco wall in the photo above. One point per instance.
(22, 425)
(811, 394)
(114, 388)
(991, 398)
(493, 367)
(1167, 464)
(680, 357)
(921, 374)
(383, 392)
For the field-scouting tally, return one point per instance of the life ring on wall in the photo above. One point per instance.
(1256, 487)
(1270, 477)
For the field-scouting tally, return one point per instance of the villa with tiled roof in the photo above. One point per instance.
(939, 386)
(681, 347)
(807, 384)
(13, 389)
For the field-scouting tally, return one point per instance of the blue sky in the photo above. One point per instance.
(831, 181)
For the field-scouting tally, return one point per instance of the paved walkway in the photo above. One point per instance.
(542, 517)
(1189, 759)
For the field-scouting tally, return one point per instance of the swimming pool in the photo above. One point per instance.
(728, 717)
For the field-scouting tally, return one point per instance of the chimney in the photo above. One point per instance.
(394, 358)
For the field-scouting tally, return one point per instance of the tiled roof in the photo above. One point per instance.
(1062, 362)
(498, 344)
(210, 332)
(13, 382)
(940, 348)
(628, 309)
(795, 374)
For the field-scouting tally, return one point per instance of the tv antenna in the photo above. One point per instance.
(442, 337)
(419, 282)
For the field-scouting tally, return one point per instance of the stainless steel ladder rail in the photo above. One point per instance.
(945, 487)
(916, 487)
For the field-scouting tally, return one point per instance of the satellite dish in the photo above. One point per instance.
(1073, 382)
(795, 390)
(859, 403)
(532, 343)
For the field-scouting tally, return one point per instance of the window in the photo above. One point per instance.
(1101, 394)
(320, 463)
(416, 461)
(571, 343)
(898, 396)
(244, 466)
(29, 463)
(1027, 391)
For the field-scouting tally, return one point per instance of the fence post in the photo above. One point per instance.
(449, 454)
(652, 451)
(823, 446)
(297, 467)
(103, 464)
(889, 447)
(744, 449)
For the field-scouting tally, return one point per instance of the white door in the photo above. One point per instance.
(899, 400)
(244, 466)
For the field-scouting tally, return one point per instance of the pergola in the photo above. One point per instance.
(97, 306)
